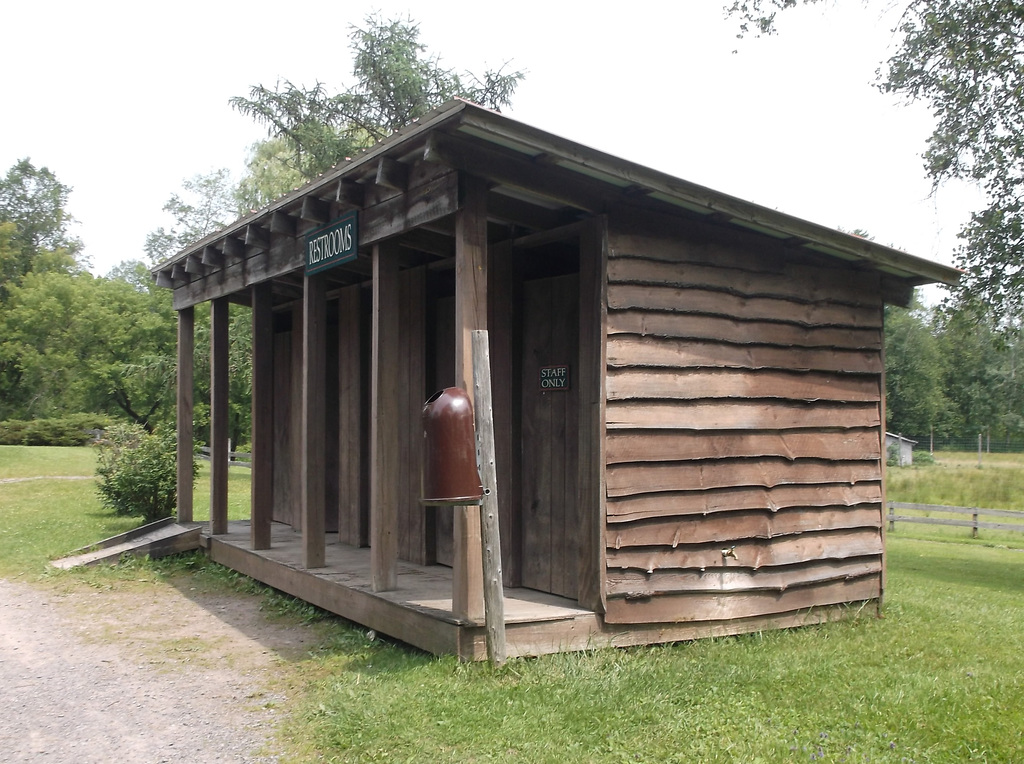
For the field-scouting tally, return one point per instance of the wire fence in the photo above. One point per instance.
(983, 441)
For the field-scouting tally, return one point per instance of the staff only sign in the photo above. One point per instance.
(333, 244)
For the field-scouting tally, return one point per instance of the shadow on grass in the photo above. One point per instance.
(293, 629)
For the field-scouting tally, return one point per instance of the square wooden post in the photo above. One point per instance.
(186, 427)
(314, 381)
(262, 502)
(219, 415)
(384, 446)
(470, 314)
(592, 362)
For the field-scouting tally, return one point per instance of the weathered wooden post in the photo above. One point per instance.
(494, 594)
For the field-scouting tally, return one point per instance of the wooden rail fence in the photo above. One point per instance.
(974, 523)
(235, 458)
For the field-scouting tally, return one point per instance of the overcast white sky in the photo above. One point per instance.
(125, 100)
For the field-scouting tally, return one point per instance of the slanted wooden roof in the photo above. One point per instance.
(539, 180)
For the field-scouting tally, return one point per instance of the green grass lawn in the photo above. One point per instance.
(940, 678)
(29, 461)
(239, 497)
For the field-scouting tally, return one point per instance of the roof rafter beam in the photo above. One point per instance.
(234, 249)
(486, 161)
(349, 193)
(434, 200)
(194, 264)
(257, 238)
(392, 174)
(510, 210)
(283, 223)
(212, 256)
(315, 209)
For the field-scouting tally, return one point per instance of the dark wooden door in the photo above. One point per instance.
(442, 357)
(549, 507)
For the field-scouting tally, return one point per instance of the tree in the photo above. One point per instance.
(914, 373)
(396, 82)
(964, 59)
(207, 204)
(269, 173)
(73, 343)
(35, 225)
(979, 378)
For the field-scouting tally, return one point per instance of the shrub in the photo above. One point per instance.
(137, 472)
(923, 458)
(72, 430)
(892, 455)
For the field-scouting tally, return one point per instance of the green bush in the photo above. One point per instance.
(137, 471)
(923, 458)
(71, 430)
(892, 455)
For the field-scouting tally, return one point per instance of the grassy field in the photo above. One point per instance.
(957, 480)
(940, 678)
(44, 519)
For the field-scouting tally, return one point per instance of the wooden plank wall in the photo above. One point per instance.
(442, 362)
(287, 417)
(415, 524)
(743, 409)
(353, 424)
(283, 436)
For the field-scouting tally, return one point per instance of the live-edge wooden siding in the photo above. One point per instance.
(742, 415)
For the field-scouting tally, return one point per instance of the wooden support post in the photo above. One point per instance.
(219, 416)
(314, 382)
(494, 592)
(470, 314)
(186, 371)
(882, 469)
(384, 467)
(592, 362)
(262, 414)
(892, 517)
(351, 411)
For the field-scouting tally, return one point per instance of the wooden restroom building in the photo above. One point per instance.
(688, 393)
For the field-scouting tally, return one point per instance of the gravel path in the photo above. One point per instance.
(140, 673)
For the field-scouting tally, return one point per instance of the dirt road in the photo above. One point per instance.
(139, 672)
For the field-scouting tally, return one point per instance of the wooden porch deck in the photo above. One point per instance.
(419, 611)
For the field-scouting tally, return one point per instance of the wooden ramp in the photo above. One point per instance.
(159, 539)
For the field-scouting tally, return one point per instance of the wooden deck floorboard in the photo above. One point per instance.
(419, 611)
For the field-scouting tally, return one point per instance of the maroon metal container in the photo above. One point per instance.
(449, 475)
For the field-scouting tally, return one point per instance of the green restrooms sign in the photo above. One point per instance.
(333, 244)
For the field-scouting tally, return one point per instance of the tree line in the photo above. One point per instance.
(951, 372)
(73, 342)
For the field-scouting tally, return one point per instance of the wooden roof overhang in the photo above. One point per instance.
(407, 186)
